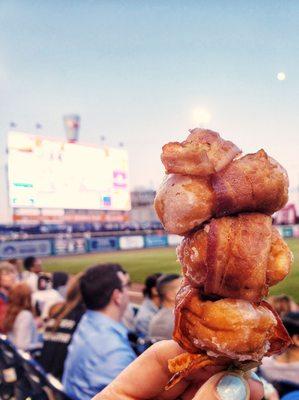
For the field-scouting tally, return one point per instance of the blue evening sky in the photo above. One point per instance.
(136, 70)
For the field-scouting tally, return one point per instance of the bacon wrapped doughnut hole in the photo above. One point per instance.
(203, 153)
(236, 257)
(252, 183)
(230, 328)
(184, 202)
(255, 182)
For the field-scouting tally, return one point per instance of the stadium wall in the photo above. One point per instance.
(59, 246)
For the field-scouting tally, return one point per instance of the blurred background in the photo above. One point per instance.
(89, 93)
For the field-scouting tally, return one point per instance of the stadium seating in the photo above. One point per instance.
(22, 377)
(9, 370)
(26, 231)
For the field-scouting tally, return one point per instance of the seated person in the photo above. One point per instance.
(19, 323)
(283, 370)
(100, 348)
(8, 279)
(128, 318)
(149, 307)
(18, 266)
(32, 268)
(59, 329)
(45, 296)
(60, 282)
(161, 325)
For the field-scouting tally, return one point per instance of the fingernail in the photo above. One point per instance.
(255, 377)
(231, 387)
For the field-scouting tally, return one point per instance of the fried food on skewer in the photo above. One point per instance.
(230, 255)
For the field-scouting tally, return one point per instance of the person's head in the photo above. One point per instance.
(291, 323)
(19, 299)
(282, 304)
(44, 282)
(59, 279)
(167, 287)
(8, 277)
(33, 264)
(17, 263)
(150, 288)
(104, 287)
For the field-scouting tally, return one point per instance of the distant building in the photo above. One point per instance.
(142, 206)
(287, 215)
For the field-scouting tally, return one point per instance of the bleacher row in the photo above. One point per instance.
(21, 377)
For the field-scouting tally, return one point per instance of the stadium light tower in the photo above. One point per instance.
(102, 139)
(72, 126)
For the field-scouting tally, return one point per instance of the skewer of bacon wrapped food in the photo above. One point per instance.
(230, 254)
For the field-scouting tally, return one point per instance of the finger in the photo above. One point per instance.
(147, 376)
(256, 387)
(226, 386)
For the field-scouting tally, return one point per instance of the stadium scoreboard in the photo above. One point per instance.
(48, 173)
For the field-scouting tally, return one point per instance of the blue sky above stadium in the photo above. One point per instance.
(136, 70)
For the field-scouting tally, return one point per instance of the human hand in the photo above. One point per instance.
(147, 376)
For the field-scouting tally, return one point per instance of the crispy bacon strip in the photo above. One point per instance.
(236, 257)
(203, 153)
(254, 182)
(230, 328)
(185, 364)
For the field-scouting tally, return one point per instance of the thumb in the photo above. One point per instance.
(229, 386)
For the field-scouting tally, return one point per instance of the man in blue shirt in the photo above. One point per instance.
(100, 349)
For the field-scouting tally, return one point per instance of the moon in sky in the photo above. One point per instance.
(281, 76)
(201, 117)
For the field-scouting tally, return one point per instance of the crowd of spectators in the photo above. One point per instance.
(83, 329)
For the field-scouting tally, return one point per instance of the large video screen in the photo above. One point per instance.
(46, 173)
